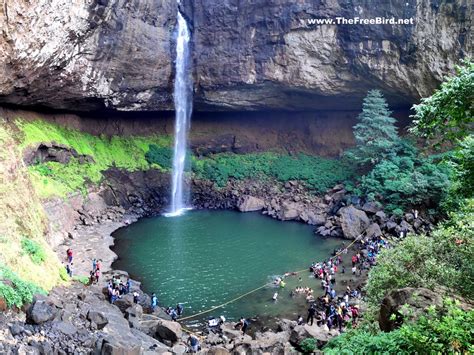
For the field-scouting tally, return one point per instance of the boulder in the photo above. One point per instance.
(268, 340)
(98, 318)
(353, 221)
(168, 330)
(40, 312)
(65, 327)
(321, 334)
(373, 231)
(250, 203)
(315, 219)
(289, 211)
(218, 350)
(409, 303)
(380, 217)
(392, 310)
(371, 207)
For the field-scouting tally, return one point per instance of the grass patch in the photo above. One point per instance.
(82, 279)
(34, 250)
(55, 179)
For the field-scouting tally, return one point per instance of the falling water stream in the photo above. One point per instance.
(183, 108)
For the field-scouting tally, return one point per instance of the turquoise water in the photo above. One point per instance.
(205, 258)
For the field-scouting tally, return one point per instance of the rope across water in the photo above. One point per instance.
(259, 288)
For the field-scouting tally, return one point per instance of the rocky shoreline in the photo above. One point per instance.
(79, 319)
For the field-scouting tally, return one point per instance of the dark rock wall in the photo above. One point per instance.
(325, 133)
(248, 55)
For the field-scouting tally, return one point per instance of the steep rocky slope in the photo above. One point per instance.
(247, 55)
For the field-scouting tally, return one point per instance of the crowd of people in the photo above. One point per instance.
(337, 309)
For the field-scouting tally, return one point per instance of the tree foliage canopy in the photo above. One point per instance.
(449, 113)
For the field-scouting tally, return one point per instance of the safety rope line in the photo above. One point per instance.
(259, 288)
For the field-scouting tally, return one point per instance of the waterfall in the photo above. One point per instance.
(183, 88)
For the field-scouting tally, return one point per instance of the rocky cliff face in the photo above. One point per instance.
(84, 55)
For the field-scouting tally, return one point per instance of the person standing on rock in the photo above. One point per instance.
(69, 255)
(154, 302)
(194, 342)
(311, 313)
(243, 324)
(136, 296)
(94, 264)
(69, 269)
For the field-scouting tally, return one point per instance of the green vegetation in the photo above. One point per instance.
(55, 179)
(81, 279)
(444, 258)
(449, 113)
(448, 330)
(22, 216)
(308, 345)
(319, 174)
(376, 134)
(407, 179)
(161, 156)
(14, 290)
(400, 176)
(34, 250)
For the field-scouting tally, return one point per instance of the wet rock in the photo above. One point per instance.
(250, 203)
(353, 222)
(168, 330)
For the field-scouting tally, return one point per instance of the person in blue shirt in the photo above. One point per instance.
(179, 309)
(154, 302)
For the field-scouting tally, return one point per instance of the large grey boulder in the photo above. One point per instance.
(353, 222)
(373, 231)
(290, 211)
(250, 204)
(40, 312)
(168, 330)
(98, 318)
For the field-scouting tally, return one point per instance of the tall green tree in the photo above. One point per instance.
(448, 114)
(376, 134)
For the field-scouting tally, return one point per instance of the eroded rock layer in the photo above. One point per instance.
(83, 55)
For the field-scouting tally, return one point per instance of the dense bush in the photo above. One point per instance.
(34, 250)
(407, 179)
(308, 345)
(444, 258)
(448, 330)
(19, 292)
(162, 156)
(317, 173)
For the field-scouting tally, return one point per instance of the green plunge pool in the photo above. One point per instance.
(205, 258)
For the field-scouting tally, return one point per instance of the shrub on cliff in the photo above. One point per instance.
(162, 156)
(376, 134)
(15, 291)
(34, 250)
(447, 330)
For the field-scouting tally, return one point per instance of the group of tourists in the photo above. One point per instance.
(95, 272)
(175, 312)
(336, 310)
(116, 288)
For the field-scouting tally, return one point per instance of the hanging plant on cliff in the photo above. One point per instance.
(376, 134)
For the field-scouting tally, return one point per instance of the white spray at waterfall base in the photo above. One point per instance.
(183, 88)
